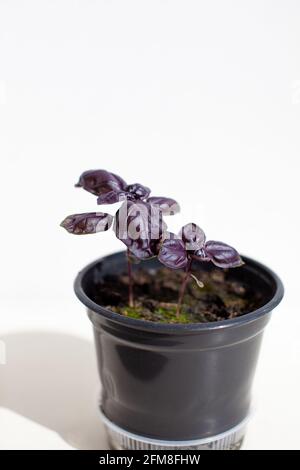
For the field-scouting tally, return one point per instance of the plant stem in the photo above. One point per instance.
(130, 281)
(183, 286)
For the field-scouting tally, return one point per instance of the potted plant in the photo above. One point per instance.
(178, 322)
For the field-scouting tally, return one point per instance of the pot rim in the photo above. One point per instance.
(181, 328)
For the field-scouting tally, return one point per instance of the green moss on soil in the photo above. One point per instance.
(159, 314)
(156, 294)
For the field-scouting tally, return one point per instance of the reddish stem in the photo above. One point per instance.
(183, 286)
(130, 281)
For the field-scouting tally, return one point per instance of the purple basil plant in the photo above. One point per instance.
(179, 251)
(139, 224)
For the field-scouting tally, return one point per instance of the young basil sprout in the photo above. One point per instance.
(139, 224)
(178, 252)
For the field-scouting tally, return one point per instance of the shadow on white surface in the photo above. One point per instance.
(51, 378)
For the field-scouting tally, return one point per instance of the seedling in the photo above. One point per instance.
(178, 252)
(139, 223)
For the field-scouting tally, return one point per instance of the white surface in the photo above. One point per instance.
(200, 101)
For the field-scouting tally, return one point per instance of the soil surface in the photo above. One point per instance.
(156, 295)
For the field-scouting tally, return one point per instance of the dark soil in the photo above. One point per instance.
(156, 294)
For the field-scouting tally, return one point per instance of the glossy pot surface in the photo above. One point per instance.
(177, 382)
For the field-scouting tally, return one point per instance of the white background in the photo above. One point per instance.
(199, 100)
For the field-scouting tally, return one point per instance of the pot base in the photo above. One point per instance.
(120, 439)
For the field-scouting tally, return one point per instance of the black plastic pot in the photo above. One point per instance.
(181, 386)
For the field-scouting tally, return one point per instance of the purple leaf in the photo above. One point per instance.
(140, 228)
(157, 225)
(173, 254)
(111, 188)
(167, 205)
(111, 197)
(193, 237)
(101, 182)
(222, 255)
(137, 191)
(84, 224)
(143, 249)
(201, 255)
